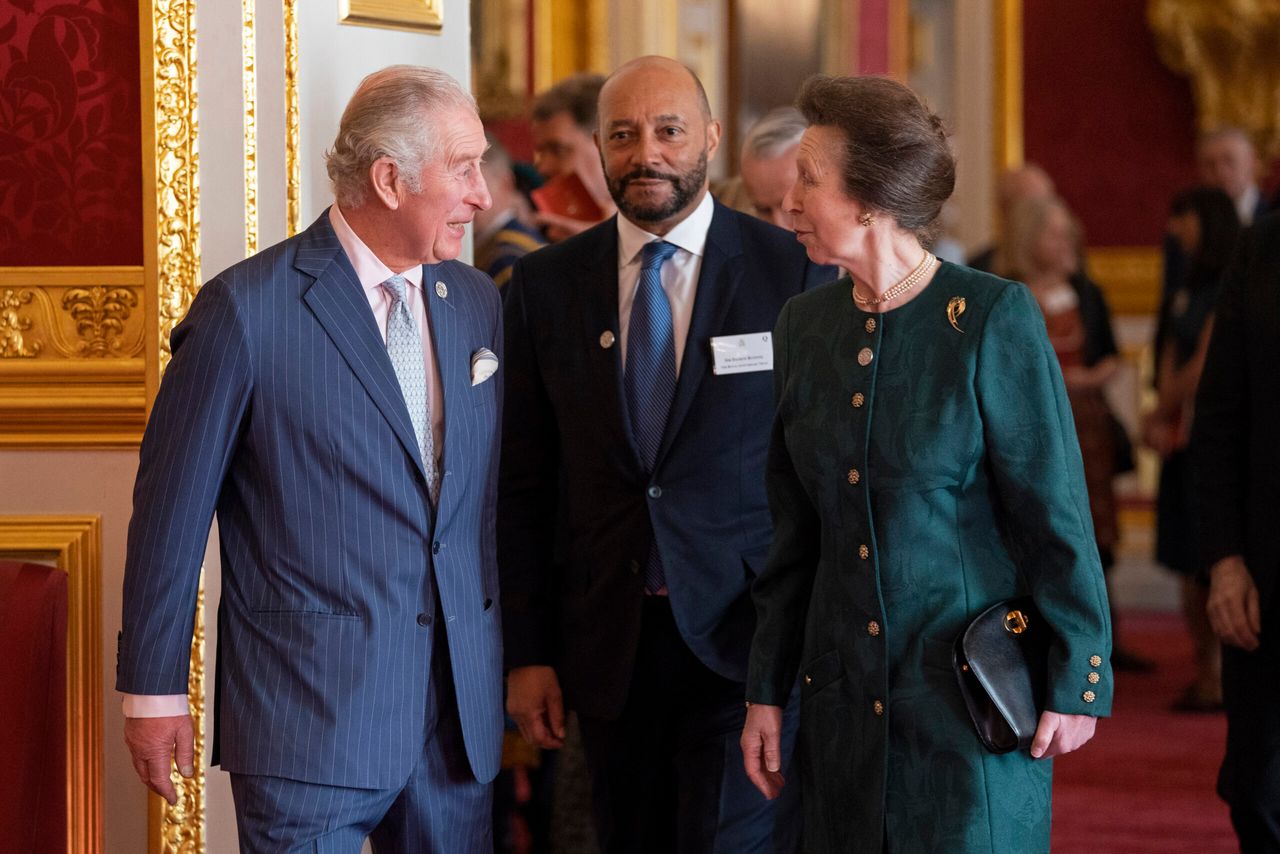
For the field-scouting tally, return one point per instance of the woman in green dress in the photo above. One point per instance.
(924, 466)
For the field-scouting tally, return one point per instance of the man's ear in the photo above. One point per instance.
(384, 177)
(713, 138)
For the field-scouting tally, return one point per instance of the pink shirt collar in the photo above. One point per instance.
(369, 270)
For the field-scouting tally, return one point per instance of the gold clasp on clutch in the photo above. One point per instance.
(1015, 622)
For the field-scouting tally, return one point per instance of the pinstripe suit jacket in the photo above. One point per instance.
(281, 412)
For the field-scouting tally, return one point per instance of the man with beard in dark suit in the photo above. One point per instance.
(632, 511)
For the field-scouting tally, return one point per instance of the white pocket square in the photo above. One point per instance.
(483, 365)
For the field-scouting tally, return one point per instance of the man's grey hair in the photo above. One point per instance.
(780, 129)
(392, 114)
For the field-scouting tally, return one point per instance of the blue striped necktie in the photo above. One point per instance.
(651, 372)
(404, 347)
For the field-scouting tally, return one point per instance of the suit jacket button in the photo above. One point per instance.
(1095, 660)
(858, 399)
(1089, 696)
(655, 492)
(873, 629)
(854, 476)
(878, 707)
(435, 548)
(424, 620)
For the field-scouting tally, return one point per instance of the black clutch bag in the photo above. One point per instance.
(1000, 660)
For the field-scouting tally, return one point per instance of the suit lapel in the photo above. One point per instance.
(717, 283)
(595, 291)
(340, 306)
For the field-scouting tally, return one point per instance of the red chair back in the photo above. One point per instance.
(33, 707)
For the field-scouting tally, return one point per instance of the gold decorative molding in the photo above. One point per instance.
(180, 829)
(74, 545)
(1008, 84)
(1228, 49)
(168, 40)
(1129, 276)
(249, 88)
(292, 124)
(572, 36)
(170, 44)
(15, 343)
(72, 356)
(412, 15)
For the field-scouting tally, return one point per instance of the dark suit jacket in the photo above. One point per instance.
(1234, 448)
(577, 512)
(281, 412)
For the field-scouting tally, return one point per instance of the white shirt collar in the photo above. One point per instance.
(369, 269)
(690, 234)
(1247, 204)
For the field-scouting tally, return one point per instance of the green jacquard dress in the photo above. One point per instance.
(924, 466)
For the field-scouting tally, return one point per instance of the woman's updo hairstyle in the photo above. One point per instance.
(896, 156)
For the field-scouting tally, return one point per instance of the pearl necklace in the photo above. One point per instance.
(913, 278)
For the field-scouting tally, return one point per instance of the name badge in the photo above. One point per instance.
(742, 354)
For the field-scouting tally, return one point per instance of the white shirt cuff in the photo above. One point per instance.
(154, 705)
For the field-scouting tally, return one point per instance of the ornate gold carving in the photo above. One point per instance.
(100, 314)
(1228, 49)
(13, 343)
(292, 126)
(414, 15)
(249, 87)
(170, 45)
(176, 163)
(73, 544)
(84, 312)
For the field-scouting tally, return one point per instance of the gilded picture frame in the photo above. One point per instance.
(412, 15)
(74, 545)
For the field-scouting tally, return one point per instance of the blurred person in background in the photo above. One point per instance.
(1014, 185)
(564, 119)
(769, 163)
(1205, 224)
(1237, 466)
(1041, 248)
(504, 233)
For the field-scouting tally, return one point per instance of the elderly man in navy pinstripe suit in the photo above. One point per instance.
(334, 401)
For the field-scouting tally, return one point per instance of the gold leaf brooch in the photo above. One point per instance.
(955, 308)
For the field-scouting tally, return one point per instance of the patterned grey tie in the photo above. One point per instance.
(404, 346)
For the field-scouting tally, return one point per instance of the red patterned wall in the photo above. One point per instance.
(70, 133)
(1114, 127)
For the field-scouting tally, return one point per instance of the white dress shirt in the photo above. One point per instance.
(1247, 204)
(371, 273)
(679, 273)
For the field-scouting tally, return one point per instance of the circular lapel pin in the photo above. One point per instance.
(606, 339)
(442, 290)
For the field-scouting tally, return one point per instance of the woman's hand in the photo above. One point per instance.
(1058, 734)
(762, 748)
